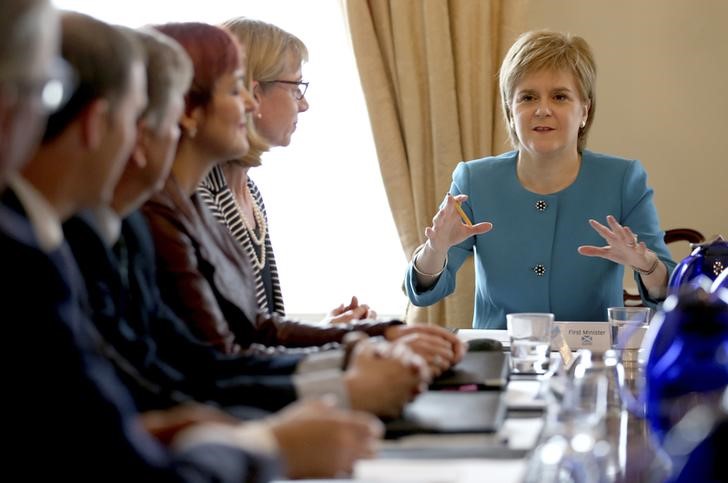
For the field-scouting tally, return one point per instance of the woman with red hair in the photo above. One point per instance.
(204, 275)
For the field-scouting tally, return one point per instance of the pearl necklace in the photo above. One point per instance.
(259, 241)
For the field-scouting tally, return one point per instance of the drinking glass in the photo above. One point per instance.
(530, 335)
(628, 326)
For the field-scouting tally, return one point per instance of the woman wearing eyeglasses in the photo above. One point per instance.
(274, 61)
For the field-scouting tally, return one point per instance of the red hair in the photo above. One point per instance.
(214, 53)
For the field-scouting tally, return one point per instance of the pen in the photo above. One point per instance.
(462, 214)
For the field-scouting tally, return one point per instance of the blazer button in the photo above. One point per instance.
(541, 205)
(539, 270)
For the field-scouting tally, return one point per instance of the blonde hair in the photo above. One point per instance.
(270, 51)
(544, 49)
(169, 74)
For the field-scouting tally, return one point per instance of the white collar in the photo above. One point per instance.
(43, 218)
(108, 224)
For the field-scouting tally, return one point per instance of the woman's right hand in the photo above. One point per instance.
(449, 229)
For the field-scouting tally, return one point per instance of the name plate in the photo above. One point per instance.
(594, 336)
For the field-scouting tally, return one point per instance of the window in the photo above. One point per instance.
(329, 218)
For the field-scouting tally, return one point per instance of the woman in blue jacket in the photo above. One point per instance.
(534, 211)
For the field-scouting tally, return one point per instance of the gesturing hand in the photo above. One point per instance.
(448, 229)
(622, 246)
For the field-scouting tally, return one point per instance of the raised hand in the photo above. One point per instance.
(449, 229)
(622, 247)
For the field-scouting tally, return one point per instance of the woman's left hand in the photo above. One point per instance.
(623, 247)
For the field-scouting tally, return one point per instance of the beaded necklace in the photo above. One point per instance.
(258, 240)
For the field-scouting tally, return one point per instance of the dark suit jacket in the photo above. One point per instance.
(127, 309)
(69, 416)
(207, 280)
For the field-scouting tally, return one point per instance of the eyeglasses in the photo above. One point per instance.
(301, 87)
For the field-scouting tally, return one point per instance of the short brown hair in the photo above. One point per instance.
(102, 57)
(270, 50)
(544, 49)
(169, 74)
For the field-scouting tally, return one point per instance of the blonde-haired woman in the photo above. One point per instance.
(274, 61)
(542, 202)
(273, 66)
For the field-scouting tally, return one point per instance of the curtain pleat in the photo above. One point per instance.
(429, 69)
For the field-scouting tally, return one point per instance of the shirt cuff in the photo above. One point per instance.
(254, 437)
(414, 264)
(315, 385)
(321, 361)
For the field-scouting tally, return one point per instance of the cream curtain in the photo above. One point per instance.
(429, 73)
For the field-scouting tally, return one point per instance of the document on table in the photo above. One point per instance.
(439, 471)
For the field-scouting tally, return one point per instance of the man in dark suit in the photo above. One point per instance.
(69, 412)
(58, 390)
(161, 359)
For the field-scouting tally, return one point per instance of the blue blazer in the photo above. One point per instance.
(529, 261)
(69, 417)
(127, 308)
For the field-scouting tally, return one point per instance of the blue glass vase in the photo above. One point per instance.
(707, 260)
(688, 356)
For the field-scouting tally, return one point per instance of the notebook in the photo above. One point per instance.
(450, 412)
(485, 370)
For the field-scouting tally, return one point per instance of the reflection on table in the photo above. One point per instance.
(504, 456)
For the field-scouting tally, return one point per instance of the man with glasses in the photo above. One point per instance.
(28, 90)
(70, 417)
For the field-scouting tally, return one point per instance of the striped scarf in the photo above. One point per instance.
(216, 193)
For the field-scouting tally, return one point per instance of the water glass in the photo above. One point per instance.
(530, 335)
(628, 326)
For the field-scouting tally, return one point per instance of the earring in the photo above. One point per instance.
(192, 132)
(259, 115)
(583, 124)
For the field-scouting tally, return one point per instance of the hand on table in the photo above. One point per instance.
(382, 377)
(345, 314)
(317, 440)
(165, 424)
(440, 348)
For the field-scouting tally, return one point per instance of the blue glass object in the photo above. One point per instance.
(688, 357)
(720, 283)
(707, 259)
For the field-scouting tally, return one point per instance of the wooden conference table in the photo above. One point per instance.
(500, 457)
